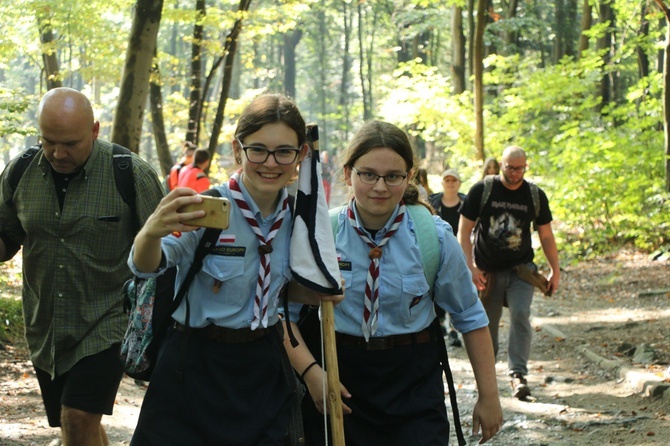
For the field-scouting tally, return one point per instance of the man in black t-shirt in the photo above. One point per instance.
(502, 240)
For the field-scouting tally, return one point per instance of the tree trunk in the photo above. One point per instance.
(127, 127)
(195, 94)
(510, 37)
(478, 62)
(560, 26)
(643, 33)
(49, 55)
(666, 91)
(346, 67)
(458, 50)
(585, 26)
(291, 41)
(604, 45)
(361, 64)
(471, 37)
(156, 100)
(230, 49)
(571, 36)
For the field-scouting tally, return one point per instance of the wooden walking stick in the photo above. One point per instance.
(333, 396)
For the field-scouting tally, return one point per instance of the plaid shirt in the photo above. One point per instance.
(74, 260)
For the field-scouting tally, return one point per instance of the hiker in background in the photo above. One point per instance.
(421, 181)
(76, 232)
(188, 149)
(220, 377)
(447, 204)
(490, 167)
(387, 346)
(194, 175)
(500, 224)
(327, 170)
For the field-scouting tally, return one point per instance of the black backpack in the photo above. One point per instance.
(123, 172)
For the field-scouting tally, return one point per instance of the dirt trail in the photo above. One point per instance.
(606, 305)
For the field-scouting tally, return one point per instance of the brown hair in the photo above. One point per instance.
(380, 134)
(201, 156)
(269, 108)
(488, 163)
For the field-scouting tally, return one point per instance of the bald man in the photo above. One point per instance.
(502, 241)
(76, 232)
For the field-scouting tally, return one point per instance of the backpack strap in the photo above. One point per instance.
(535, 194)
(426, 236)
(123, 174)
(488, 186)
(20, 168)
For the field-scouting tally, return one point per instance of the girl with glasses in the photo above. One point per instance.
(388, 352)
(219, 378)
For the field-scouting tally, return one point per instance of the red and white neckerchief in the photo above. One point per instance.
(371, 309)
(264, 249)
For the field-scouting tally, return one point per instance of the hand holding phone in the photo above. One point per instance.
(217, 212)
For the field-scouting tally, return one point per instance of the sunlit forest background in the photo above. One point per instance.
(579, 84)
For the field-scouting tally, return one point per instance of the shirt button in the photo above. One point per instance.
(62, 240)
(60, 266)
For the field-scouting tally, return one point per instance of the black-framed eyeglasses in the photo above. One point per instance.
(259, 155)
(392, 179)
(518, 169)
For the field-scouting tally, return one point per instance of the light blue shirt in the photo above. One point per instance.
(232, 267)
(405, 304)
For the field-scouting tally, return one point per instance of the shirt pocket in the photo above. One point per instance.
(414, 287)
(351, 306)
(223, 268)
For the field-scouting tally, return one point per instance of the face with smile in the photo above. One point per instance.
(265, 180)
(376, 202)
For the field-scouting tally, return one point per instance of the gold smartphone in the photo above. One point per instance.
(217, 212)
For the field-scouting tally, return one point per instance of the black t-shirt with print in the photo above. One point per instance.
(503, 234)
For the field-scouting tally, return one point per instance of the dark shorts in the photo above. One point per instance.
(89, 386)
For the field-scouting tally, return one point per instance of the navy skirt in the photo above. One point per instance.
(205, 392)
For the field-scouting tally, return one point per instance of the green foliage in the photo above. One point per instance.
(11, 319)
(12, 106)
(11, 310)
(603, 172)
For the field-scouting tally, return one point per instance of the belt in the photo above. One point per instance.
(226, 335)
(422, 337)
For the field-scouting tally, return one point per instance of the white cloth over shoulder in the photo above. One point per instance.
(313, 258)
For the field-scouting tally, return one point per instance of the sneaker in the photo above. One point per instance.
(520, 389)
(454, 341)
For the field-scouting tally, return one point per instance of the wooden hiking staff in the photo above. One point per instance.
(333, 395)
(333, 374)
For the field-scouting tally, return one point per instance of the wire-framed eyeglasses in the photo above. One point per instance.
(259, 155)
(518, 169)
(392, 179)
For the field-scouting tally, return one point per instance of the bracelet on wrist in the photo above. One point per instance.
(304, 372)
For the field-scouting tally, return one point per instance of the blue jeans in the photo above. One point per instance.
(518, 295)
